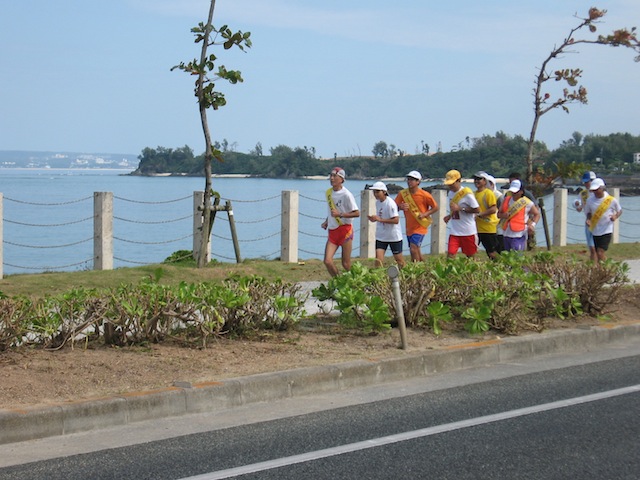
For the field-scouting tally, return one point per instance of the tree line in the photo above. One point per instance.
(498, 154)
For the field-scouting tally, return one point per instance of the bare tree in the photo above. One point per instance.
(208, 97)
(574, 94)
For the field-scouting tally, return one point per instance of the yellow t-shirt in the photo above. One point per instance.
(486, 198)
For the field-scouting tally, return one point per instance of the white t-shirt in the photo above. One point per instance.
(345, 203)
(388, 232)
(463, 224)
(605, 224)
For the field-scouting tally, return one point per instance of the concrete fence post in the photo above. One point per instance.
(438, 227)
(103, 231)
(560, 217)
(367, 229)
(198, 226)
(289, 226)
(615, 237)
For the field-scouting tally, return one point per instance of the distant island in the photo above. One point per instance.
(33, 159)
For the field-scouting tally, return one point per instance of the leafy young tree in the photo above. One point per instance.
(560, 171)
(543, 103)
(208, 97)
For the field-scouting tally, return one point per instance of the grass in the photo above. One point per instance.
(41, 284)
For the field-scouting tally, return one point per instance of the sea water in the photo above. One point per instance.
(48, 217)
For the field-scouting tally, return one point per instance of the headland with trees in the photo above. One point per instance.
(614, 156)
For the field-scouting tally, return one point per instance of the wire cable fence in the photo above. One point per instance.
(60, 236)
(155, 228)
(64, 223)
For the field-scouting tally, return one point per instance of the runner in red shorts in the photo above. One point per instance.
(342, 209)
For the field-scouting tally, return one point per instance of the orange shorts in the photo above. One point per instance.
(341, 235)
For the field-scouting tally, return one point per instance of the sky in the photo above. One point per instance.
(334, 75)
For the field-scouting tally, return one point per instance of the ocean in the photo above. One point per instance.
(48, 217)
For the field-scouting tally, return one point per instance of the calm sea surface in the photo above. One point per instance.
(48, 217)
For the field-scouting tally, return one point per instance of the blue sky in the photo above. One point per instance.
(337, 75)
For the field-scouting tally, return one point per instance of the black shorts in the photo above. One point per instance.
(602, 242)
(396, 247)
(489, 241)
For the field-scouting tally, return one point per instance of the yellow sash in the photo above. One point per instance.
(332, 205)
(584, 195)
(461, 193)
(597, 215)
(513, 209)
(413, 208)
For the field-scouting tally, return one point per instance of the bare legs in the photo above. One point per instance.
(330, 250)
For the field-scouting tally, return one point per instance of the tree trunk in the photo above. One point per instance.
(201, 261)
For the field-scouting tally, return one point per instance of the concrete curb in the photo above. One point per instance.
(72, 417)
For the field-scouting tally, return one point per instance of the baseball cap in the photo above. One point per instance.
(491, 179)
(596, 183)
(482, 174)
(340, 172)
(414, 174)
(452, 177)
(588, 176)
(515, 186)
(378, 186)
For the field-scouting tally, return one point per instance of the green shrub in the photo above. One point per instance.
(514, 293)
(362, 296)
(149, 312)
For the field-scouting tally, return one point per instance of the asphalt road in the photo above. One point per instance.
(570, 416)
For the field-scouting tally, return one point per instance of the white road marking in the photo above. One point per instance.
(401, 437)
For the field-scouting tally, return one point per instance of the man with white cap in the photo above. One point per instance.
(486, 219)
(518, 216)
(418, 206)
(388, 231)
(463, 207)
(531, 236)
(342, 209)
(602, 210)
(580, 205)
(491, 183)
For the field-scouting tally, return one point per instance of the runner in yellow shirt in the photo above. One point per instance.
(486, 220)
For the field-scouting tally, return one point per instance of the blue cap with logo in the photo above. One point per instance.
(588, 176)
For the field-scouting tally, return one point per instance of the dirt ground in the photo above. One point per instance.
(35, 377)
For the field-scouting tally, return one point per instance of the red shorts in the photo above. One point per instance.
(341, 235)
(467, 243)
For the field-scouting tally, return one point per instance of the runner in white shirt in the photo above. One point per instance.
(388, 230)
(602, 210)
(463, 206)
(341, 210)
